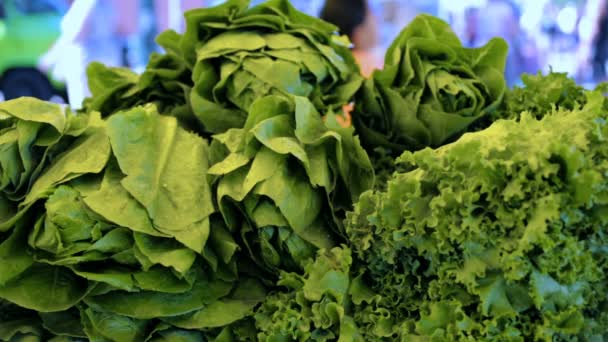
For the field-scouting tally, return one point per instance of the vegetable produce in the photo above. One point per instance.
(430, 90)
(317, 305)
(289, 174)
(166, 82)
(116, 228)
(498, 236)
(222, 196)
(230, 56)
(541, 94)
(30, 136)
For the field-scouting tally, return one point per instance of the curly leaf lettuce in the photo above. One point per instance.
(540, 95)
(500, 235)
(316, 305)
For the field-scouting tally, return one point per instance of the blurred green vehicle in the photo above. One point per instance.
(28, 28)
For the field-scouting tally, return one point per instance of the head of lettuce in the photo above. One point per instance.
(431, 88)
(229, 56)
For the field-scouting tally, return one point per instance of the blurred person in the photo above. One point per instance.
(471, 30)
(592, 50)
(127, 31)
(500, 18)
(600, 44)
(355, 19)
(108, 30)
(98, 36)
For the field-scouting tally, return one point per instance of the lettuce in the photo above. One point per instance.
(32, 134)
(285, 178)
(210, 198)
(166, 82)
(230, 56)
(317, 306)
(540, 94)
(498, 236)
(430, 90)
(117, 231)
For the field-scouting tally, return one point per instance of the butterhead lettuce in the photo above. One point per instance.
(285, 178)
(229, 56)
(430, 90)
(116, 232)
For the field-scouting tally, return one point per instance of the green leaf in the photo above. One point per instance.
(114, 203)
(89, 154)
(298, 202)
(111, 327)
(46, 289)
(14, 256)
(117, 277)
(166, 252)
(264, 166)
(150, 304)
(494, 296)
(114, 241)
(225, 311)
(165, 167)
(161, 279)
(34, 110)
(164, 333)
(63, 323)
(20, 330)
(329, 275)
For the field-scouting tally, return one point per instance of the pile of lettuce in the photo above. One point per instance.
(131, 227)
(176, 200)
(230, 56)
(501, 235)
(221, 196)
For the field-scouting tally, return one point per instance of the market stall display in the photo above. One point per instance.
(223, 194)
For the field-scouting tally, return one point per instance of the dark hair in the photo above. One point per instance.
(347, 15)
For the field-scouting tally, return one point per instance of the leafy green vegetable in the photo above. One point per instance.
(166, 82)
(543, 93)
(230, 56)
(239, 55)
(285, 178)
(317, 306)
(117, 230)
(33, 133)
(17, 324)
(431, 89)
(498, 236)
(210, 198)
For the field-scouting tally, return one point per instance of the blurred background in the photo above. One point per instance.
(45, 45)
